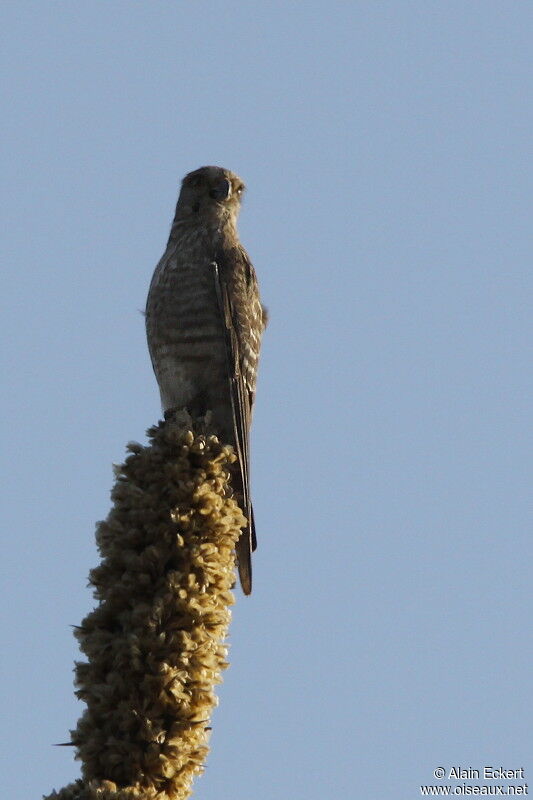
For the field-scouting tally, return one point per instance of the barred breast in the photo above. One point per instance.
(184, 329)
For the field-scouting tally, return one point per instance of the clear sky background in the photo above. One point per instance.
(386, 147)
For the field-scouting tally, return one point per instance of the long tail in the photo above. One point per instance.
(245, 545)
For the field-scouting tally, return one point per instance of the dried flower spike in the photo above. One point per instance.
(155, 641)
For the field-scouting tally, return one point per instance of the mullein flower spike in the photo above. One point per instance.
(155, 641)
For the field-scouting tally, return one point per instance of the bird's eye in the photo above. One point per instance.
(240, 189)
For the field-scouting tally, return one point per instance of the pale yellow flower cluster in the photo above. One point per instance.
(155, 642)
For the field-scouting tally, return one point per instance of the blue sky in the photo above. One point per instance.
(386, 150)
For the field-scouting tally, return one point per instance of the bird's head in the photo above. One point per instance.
(210, 194)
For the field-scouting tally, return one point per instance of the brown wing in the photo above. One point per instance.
(239, 303)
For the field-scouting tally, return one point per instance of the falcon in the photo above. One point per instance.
(204, 322)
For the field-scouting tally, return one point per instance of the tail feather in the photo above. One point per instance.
(244, 560)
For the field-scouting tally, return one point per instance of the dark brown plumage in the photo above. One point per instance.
(204, 322)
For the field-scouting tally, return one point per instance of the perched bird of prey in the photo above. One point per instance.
(204, 322)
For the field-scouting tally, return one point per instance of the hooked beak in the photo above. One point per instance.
(221, 190)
